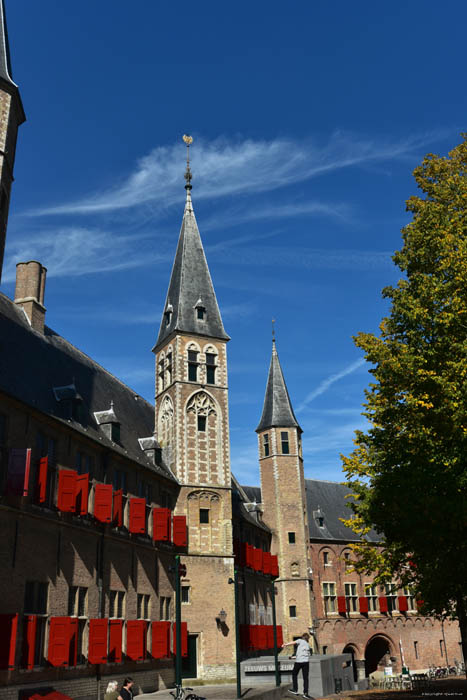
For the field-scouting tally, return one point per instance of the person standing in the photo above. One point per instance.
(126, 692)
(302, 662)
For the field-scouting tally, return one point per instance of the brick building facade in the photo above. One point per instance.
(99, 490)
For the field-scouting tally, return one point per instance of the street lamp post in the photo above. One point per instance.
(274, 629)
(237, 633)
(178, 624)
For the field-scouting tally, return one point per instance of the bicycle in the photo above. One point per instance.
(181, 694)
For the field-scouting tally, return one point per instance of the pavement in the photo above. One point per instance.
(225, 692)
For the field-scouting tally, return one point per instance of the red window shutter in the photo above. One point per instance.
(82, 493)
(97, 653)
(280, 638)
(274, 566)
(262, 637)
(257, 559)
(179, 530)
(341, 606)
(138, 516)
(184, 635)
(403, 605)
(66, 501)
(161, 524)
(9, 629)
(160, 639)
(267, 562)
(135, 639)
(363, 603)
(41, 486)
(118, 508)
(19, 465)
(115, 641)
(59, 641)
(73, 643)
(270, 636)
(29, 641)
(103, 503)
(250, 556)
(383, 603)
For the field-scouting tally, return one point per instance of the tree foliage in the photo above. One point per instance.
(408, 471)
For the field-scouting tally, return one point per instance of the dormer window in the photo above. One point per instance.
(320, 521)
(200, 313)
(109, 423)
(167, 317)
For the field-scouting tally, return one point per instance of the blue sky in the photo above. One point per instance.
(308, 119)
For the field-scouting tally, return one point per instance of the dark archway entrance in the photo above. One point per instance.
(376, 649)
(349, 649)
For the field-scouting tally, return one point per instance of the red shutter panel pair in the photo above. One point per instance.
(82, 494)
(161, 524)
(270, 636)
(73, 641)
(383, 603)
(135, 633)
(267, 563)
(184, 637)
(41, 484)
(403, 605)
(138, 516)
(66, 500)
(115, 641)
(257, 559)
(160, 639)
(19, 465)
(363, 604)
(280, 638)
(9, 629)
(341, 606)
(179, 537)
(274, 566)
(118, 508)
(103, 503)
(98, 630)
(59, 641)
(29, 641)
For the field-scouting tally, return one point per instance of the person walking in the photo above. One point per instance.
(302, 662)
(126, 692)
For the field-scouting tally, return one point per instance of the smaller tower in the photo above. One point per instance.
(11, 116)
(284, 501)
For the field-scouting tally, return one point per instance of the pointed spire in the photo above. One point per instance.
(190, 281)
(5, 65)
(277, 408)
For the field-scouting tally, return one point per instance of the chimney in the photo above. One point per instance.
(29, 292)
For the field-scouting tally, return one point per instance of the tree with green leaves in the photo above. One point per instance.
(408, 471)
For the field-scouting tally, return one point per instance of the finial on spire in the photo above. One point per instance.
(273, 331)
(188, 140)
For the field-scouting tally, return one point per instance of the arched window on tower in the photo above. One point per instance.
(168, 368)
(211, 365)
(266, 445)
(161, 373)
(193, 365)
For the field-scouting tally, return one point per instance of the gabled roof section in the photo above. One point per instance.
(5, 64)
(35, 366)
(277, 408)
(190, 288)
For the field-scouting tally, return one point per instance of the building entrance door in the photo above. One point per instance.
(377, 648)
(190, 662)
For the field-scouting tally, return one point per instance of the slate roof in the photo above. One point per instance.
(328, 500)
(32, 364)
(239, 507)
(277, 408)
(5, 65)
(190, 286)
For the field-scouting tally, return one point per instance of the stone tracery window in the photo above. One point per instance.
(202, 405)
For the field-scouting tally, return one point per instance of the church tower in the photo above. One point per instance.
(192, 427)
(11, 116)
(284, 502)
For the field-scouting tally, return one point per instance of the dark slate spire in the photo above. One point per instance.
(191, 304)
(277, 408)
(5, 65)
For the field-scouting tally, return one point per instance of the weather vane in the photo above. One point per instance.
(273, 331)
(188, 140)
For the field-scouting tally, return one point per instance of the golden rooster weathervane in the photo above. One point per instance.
(188, 140)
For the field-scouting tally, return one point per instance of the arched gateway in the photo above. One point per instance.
(376, 650)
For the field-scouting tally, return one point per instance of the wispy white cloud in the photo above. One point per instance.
(222, 168)
(329, 381)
